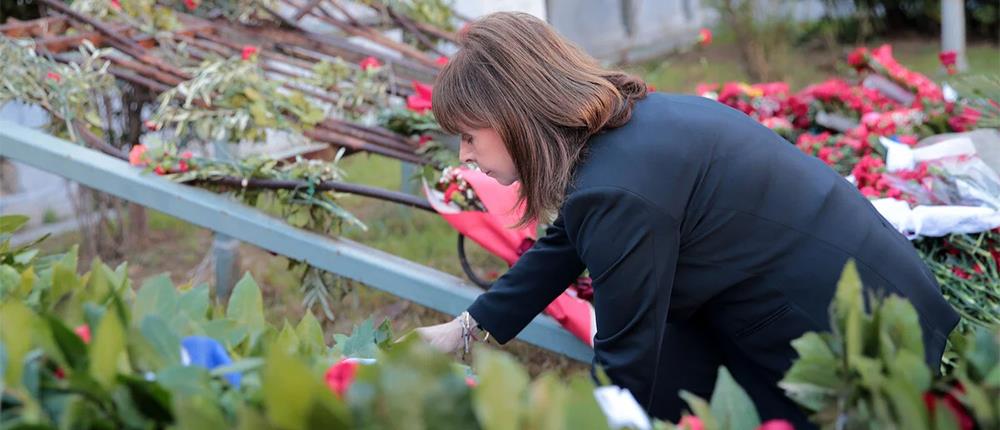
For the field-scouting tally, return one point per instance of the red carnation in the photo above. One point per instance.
(369, 63)
(249, 51)
(340, 376)
(858, 58)
(451, 190)
(420, 102)
(948, 58)
(160, 170)
(704, 37)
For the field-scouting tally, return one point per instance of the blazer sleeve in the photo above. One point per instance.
(631, 247)
(535, 280)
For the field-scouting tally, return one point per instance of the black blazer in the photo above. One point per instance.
(694, 208)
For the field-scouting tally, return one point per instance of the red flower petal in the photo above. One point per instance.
(137, 156)
(704, 37)
(369, 63)
(84, 332)
(53, 76)
(340, 376)
(249, 51)
(690, 422)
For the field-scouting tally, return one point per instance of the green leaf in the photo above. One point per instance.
(194, 303)
(910, 411)
(248, 418)
(199, 412)
(12, 223)
(911, 367)
(246, 305)
(310, 335)
(16, 343)
(547, 403)
(157, 296)
(361, 342)
(107, 349)
(64, 278)
(10, 280)
(291, 392)
(163, 339)
(982, 407)
(72, 350)
(899, 321)
(730, 404)
(944, 418)
(241, 366)
(582, 410)
(25, 257)
(150, 398)
(702, 409)
(287, 340)
(848, 295)
(186, 381)
(498, 399)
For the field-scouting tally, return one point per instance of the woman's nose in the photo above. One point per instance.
(465, 156)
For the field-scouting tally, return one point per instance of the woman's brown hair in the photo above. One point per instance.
(543, 95)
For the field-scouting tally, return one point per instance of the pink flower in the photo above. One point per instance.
(420, 102)
(84, 332)
(53, 76)
(908, 139)
(776, 425)
(160, 170)
(186, 155)
(182, 166)
(249, 51)
(191, 4)
(116, 4)
(340, 376)
(702, 89)
(704, 37)
(869, 192)
(690, 422)
(441, 61)
(369, 63)
(137, 156)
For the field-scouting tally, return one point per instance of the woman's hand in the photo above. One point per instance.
(445, 337)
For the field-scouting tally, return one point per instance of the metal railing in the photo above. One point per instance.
(397, 276)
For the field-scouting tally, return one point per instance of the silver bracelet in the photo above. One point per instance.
(465, 319)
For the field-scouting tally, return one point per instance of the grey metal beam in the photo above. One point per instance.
(397, 276)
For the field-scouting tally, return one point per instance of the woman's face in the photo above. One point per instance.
(485, 148)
